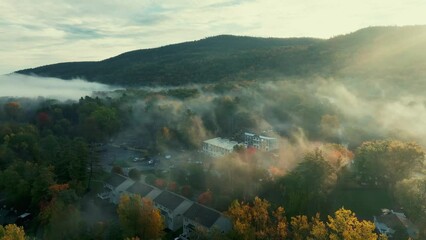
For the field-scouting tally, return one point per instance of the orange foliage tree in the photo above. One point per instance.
(139, 218)
(206, 198)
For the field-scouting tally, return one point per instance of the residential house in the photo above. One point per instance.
(172, 207)
(116, 185)
(390, 222)
(144, 190)
(218, 147)
(202, 217)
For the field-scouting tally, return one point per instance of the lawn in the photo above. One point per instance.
(364, 202)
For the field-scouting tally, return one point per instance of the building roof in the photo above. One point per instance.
(115, 180)
(222, 142)
(391, 220)
(169, 200)
(260, 136)
(202, 215)
(396, 220)
(140, 188)
(267, 138)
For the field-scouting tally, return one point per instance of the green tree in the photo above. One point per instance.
(135, 174)
(411, 194)
(61, 216)
(306, 188)
(386, 162)
(40, 185)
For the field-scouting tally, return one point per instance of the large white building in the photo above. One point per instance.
(218, 147)
(260, 142)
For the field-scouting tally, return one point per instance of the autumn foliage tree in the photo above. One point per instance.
(12, 232)
(12, 109)
(61, 216)
(139, 218)
(256, 220)
(344, 225)
(206, 198)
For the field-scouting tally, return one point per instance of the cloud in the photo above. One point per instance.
(16, 85)
(40, 33)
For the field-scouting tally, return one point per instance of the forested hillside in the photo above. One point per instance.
(374, 51)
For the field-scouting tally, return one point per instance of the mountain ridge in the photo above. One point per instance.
(229, 58)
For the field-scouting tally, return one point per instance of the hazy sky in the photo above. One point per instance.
(34, 33)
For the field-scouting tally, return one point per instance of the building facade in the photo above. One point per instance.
(218, 147)
(260, 142)
(172, 208)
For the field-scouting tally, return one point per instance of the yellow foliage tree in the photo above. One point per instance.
(255, 221)
(139, 218)
(300, 227)
(12, 232)
(345, 226)
(318, 229)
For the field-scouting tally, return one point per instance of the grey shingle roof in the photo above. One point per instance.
(140, 188)
(169, 200)
(115, 180)
(203, 215)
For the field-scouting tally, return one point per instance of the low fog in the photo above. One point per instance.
(17, 85)
(304, 113)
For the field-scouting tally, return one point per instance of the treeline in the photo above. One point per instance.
(45, 159)
(139, 219)
(231, 58)
(46, 151)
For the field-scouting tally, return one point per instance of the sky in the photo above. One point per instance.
(35, 33)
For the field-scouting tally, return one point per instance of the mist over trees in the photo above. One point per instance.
(337, 137)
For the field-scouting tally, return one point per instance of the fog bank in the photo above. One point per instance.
(17, 85)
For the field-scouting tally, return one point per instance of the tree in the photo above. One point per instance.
(61, 215)
(299, 227)
(345, 226)
(117, 170)
(100, 123)
(135, 174)
(40, 186)
(411, 194)
(257, 221)
(338, 156)
(186, 191)
(306, 188)
(12, 109)
(138, 217)
(318, 229)
(12, 232)
(205, 198)
(386, 162)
